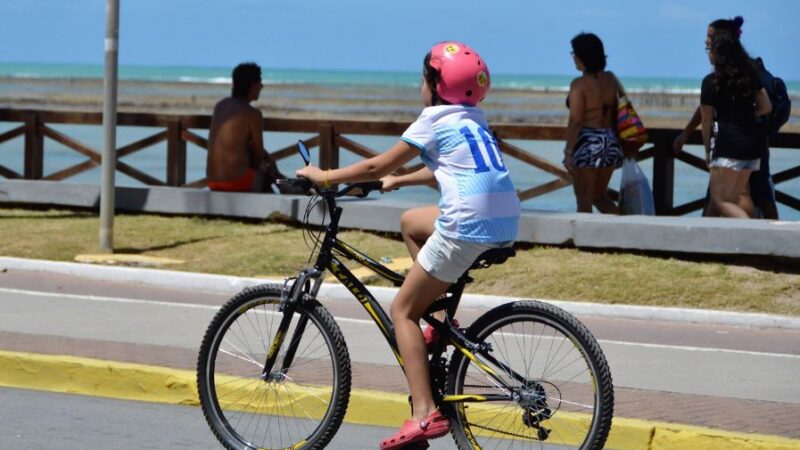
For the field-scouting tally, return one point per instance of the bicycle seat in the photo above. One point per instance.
(493, 256)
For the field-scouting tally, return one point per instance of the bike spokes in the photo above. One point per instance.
(549, 383)
(300, 399)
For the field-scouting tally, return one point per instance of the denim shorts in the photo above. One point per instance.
(736, 164)
(447, 259)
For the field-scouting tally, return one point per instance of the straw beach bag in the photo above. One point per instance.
(630, 130)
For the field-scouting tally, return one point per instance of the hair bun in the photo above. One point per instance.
(738, 21)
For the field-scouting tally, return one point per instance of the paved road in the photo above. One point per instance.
(736, 378)
(31, 420)
(718, 360)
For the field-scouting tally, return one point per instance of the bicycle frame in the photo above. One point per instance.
(331, 250)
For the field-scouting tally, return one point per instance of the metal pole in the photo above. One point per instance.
(109, 128)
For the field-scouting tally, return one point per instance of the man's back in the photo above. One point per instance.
(230, 139)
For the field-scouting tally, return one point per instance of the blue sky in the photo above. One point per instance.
(646, 38)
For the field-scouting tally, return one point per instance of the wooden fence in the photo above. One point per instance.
(330, 137)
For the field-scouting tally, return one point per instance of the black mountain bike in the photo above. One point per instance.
(274, 371)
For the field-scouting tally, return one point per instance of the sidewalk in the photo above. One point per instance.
(643, 417)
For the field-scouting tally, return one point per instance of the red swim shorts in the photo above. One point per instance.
(242, 184)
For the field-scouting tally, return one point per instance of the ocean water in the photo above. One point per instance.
(336, 77)
(690, 183)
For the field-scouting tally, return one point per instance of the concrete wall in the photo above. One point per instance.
(672, 234)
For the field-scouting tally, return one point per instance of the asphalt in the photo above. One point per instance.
(683, 379)
(38, 420)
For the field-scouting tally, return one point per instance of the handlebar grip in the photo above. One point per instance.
(300, 185)
(376, 185)
(360, 190)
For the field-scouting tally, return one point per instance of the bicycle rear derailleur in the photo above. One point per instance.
(533, 399)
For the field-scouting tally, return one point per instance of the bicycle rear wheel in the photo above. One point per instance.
(300, 408)
(558, 391)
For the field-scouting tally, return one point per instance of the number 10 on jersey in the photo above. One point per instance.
(489, 148)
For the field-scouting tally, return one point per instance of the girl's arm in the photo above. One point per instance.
(707, 118)
(680, 140)
(367, 170)
(423, 176)
(763, 105)
(694, 122)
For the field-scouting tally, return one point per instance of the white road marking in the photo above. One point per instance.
(95, 298)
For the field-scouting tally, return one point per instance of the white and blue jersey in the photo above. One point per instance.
(478, 201)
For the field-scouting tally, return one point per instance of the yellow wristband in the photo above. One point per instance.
(325, 183)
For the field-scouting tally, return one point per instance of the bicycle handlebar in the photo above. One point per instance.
(363, 189)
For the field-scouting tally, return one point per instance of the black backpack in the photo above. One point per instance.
(778, 96)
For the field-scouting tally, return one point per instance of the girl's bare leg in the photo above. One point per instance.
(727, 186)
(601, 200)
(416, 226)
(746, 202)
(415, 296)
(584, 183)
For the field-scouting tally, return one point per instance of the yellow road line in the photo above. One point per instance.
(85, 376)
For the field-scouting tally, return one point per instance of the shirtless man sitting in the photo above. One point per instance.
(237, 160)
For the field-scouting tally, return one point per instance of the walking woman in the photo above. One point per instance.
(731, 99)
(592, 151)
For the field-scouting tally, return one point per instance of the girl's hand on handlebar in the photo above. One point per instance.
(312, 173)
(389, 183)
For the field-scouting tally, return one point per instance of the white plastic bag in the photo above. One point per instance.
(635, 196)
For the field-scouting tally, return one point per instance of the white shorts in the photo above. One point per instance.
(447, 259)
(736, 164)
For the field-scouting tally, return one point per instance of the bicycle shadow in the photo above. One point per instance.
(140, 250)
(73, 215)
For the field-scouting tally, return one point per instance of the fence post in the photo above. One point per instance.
(34, 148)
(328, 150)
(663, 177)
(176, 154)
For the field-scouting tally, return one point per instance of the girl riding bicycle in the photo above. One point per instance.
(478, 208)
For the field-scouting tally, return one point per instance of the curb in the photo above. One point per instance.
(99, 378)
(230, 285)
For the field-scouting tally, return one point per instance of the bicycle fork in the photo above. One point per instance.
(291, 297)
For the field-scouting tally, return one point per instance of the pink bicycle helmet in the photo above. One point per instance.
(464, 76)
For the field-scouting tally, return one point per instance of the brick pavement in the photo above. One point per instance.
(747, 416)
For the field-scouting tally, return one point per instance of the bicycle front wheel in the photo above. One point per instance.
(542, 383)
(298, 405)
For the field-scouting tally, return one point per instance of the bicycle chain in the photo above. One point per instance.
(471, 425)
(477, 386)
(507, 433)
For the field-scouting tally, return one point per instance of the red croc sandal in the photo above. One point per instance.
(431, 427)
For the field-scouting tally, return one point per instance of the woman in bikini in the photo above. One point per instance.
(592, 151)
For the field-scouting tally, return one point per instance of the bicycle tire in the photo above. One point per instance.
(298, 410)
(567, 391)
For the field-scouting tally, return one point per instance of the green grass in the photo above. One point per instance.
(270, 248)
